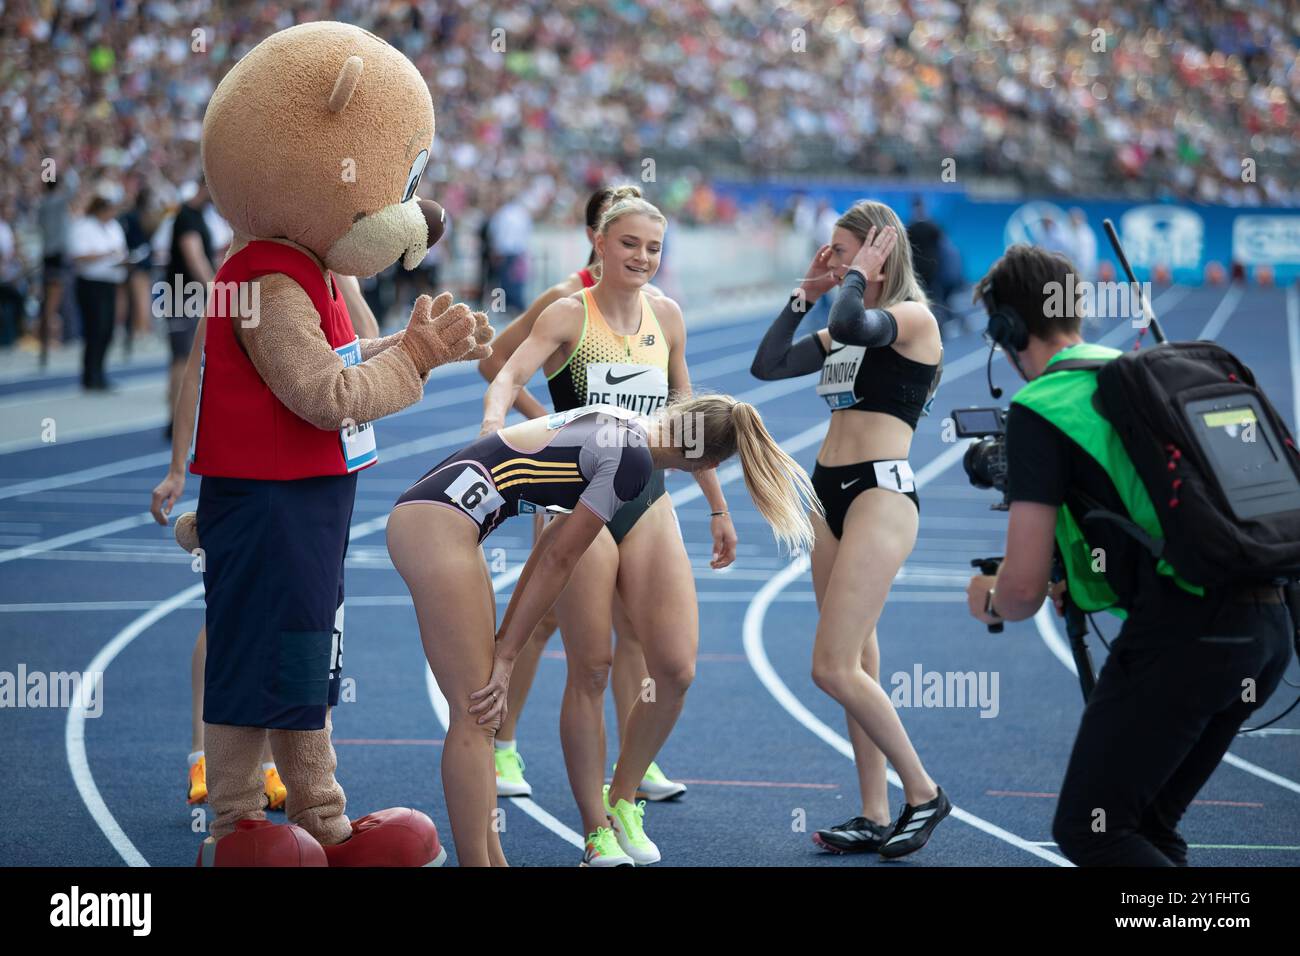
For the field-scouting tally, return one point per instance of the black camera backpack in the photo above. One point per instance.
(1220, 465)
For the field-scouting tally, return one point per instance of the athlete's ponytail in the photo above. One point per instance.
(780, 488)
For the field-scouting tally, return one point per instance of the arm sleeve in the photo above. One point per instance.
(1037, 458)
(853, 324)
(779, 356)
(619, 471)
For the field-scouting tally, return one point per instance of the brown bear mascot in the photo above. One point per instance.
(313, 145)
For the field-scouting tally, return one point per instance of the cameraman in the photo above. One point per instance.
(1186, 669)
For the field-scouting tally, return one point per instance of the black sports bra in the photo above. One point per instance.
(874, 380)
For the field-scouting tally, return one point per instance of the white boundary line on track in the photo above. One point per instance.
(767, 675)
(1051, 636)
(74, 735)
(1223, 311)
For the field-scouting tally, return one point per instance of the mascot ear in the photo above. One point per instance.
(346, 84)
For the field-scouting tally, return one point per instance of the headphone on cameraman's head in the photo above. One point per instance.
(1007, 330)
(1005, 326)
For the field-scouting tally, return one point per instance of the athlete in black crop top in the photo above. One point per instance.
(867, 535)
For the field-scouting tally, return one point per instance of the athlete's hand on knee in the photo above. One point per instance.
(489, 704)
(724, 541)
(165, 495)
(439, 332)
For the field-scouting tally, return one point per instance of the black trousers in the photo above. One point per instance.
(98, 304)
(1166, 707)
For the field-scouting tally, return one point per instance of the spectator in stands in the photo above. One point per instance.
(54, 217)
(190, 261)
(11, 281)
(926, 239)
(97, 248)
(508, 232)
(138, 223)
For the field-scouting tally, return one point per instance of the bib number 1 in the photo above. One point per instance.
(894, 476)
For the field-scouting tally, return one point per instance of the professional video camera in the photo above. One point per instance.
(985, 460)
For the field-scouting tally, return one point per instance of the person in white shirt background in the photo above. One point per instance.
(97, 248)
(507, 234)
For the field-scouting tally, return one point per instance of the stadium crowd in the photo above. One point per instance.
(538, 101)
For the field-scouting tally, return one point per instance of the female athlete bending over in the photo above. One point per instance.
(599, 458)
(880, 359)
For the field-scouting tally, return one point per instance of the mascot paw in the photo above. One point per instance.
(440, 331)
(395, 837)
(262, 843)
(187, 531)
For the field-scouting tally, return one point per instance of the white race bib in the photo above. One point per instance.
(560, 419)
(358, 441)
(531, 507)
(839, 372)
(642, 389)
(894, 476)
(475, 494)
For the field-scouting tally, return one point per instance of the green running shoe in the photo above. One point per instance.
(656, 786)
(626, 822)
(510, 774)
(603, 850)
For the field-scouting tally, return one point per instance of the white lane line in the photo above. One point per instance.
(141, 383)
(1227, 305)
(767, 675)
(1293, 339)
(74, 735)
(82, 475)
(86, 534)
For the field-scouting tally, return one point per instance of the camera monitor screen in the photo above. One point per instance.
(1245, 454)
(977, 421)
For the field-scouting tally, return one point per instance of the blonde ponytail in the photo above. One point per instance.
(779, 486)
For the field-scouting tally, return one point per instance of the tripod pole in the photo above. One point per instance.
(1076, 629)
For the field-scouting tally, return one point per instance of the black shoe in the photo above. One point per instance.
(858, 835)
(914, 826)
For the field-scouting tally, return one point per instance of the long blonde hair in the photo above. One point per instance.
(900, 275)
(780, 487)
